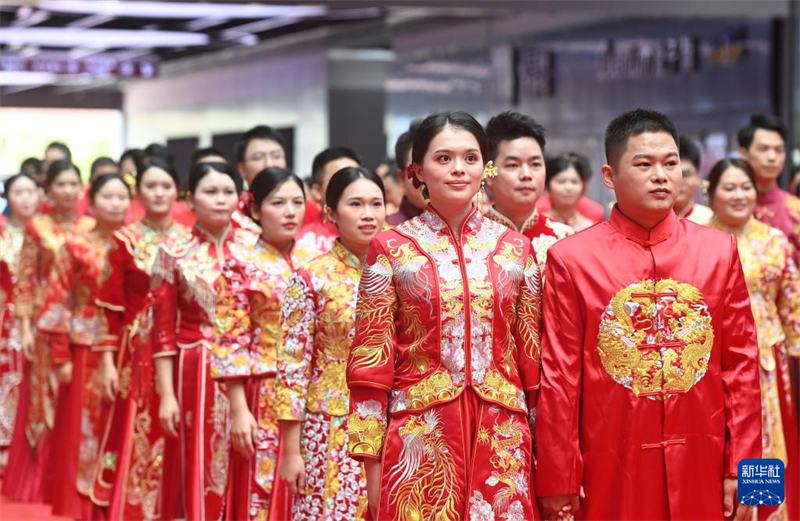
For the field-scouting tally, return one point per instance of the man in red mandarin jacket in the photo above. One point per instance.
(650, 389)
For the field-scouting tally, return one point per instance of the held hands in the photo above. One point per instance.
(244, 430)
(729, 489)
(169, 414)
(561, 508)
(293, 471)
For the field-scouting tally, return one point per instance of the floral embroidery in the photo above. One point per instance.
(367, 428)
(318, 331)
(336, 488)
(773, 282)
(247, 324)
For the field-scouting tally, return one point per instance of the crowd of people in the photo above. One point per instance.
(460, 334)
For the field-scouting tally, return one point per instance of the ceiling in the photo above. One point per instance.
(64, 47)
(92, 43)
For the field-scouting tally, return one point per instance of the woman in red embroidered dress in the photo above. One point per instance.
(22, 194)
(248, 330)
(79, 438)
(130, 470)
(44, 326)
(193, 406)
(318, 328)
(444, 366)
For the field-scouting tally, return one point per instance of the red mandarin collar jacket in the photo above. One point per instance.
(650, 389)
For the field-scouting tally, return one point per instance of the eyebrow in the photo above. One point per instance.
(648, 156)
(517, 158)
(450, 151)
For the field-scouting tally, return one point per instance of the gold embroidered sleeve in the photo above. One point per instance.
(371, 361)
(367, 423)
(789, 303)
(529, 316)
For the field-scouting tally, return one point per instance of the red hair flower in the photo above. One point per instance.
(413, 172)
(245, 202)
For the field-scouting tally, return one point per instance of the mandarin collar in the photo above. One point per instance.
(204, 234)
(529, 223)
(472, 222)
(345, 255)
(636, 233)
(153, 226)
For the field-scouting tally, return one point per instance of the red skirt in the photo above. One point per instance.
(130, 469)
(29, 454)
(204, 436)
(78, 430)
(464, 459)
(255, 492)
(788, 401)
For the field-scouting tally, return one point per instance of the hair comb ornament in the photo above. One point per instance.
(489, 171)
(130, 180)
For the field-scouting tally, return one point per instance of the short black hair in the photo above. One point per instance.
(33, 164)
(58, 145)
(344, 178)
(257, 132)
(100, 162)
(404, 143)
(556, 165)
(757, 121)
(437, 122)
(326, 156)
(633, 123)
(57, 168)
(689, 151)
(202, 153)
(509, 126)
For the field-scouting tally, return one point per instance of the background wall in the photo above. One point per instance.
(207, 98)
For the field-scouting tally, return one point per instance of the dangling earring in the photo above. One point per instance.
(489, 172)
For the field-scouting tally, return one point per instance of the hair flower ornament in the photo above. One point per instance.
(413, 172)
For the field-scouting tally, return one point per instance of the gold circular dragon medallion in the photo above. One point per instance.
(655, 338)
